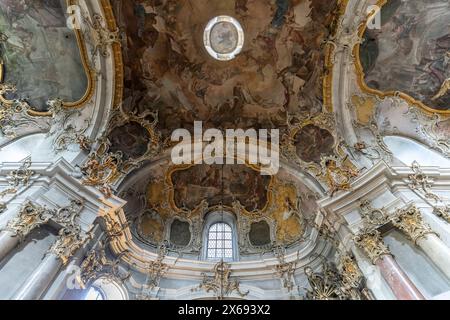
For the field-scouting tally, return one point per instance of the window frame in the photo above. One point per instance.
(212, 219)
(227, 244)
(98, 291)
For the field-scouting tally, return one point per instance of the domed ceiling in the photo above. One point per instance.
(39, 54)
(410, 52)
(171, 81)
(278, 72)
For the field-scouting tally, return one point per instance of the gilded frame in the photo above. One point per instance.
(383, 94)
(89, 72)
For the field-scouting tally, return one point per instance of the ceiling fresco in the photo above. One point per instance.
(40, 55)
(411, 52)
(220, 185)
(275, 82)
(279, 71)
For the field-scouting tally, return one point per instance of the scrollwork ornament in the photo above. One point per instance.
(420, 181)
(96, 265)
(325, 285)
(221, 284)
(66, 127)
(3, 207)
(102, 36)
(70, 239)
(443, 212)
(351, 274)
(371, 242)
(373, 218)
(30, 217)
(101, 170)
(285, 270)
(155, 271)
(429, 127)
(410, 221)
(337, 174)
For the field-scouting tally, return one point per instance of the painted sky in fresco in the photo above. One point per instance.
(411, 52)
(41, 55)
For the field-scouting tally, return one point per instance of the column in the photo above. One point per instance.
(40, 279)
(402, 287)
(7, 243)
(411, 223)
(68, 242)
(30, 216)
(58, 288)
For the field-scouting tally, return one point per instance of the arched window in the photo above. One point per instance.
(94, 294)
(220, 242)
(407, 151)
(220, 237)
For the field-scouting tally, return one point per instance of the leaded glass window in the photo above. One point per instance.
(220, 242)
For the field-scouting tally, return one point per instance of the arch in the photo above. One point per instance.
(108, 289)
(407, 151)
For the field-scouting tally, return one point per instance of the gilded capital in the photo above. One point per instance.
(351, 274)
(30, 217)
(411, 223)
(69, 241)
(372, 244)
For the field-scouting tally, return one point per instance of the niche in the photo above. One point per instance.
(259, 234)
(180, 233)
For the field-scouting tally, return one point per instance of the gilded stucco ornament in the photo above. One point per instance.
(96, 265)
(66, 128)
(101, 35)
(337, 173)
(221, 284)
(376, 150)
(30, 217)
(422, 183)
(443, 212)
(17, 178)
(15, 115)
(109, 162)
(155, 271)
(430, 128)
(371, 242)
(373, 218)
(330, 285)
(285, 270)
(351, 274)
(411, 223)
(345, 282)
(71, 236)
(323, 286)
(295, 123)
(70, 239)
(101, 170)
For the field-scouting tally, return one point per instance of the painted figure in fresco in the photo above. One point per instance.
(41, 55)
(337, 175)
(240, 183)
(410, 53)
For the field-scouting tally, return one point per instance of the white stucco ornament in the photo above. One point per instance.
(223, 38)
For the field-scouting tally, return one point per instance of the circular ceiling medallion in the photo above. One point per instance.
(224, 38)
